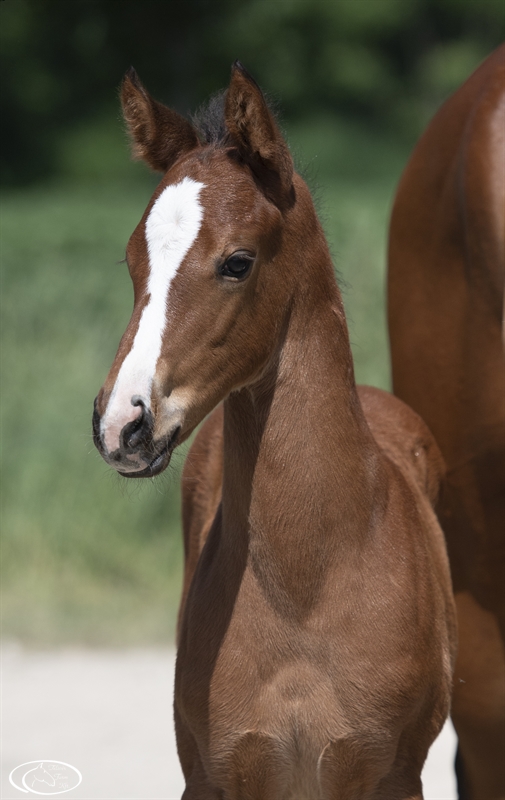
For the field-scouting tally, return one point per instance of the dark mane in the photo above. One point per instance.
(209, 121)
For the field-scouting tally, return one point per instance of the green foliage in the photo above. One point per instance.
(386, 61)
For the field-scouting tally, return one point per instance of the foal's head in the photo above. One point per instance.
(211, 263)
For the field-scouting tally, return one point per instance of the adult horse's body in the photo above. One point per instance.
(317, 630)
(446, 284)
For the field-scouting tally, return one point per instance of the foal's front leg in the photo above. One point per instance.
(254, 768)
(197, 784)
(351, 770)
(198, 788)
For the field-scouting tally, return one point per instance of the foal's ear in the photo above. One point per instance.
(257, 137)
(159, 134)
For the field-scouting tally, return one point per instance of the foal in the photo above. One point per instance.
(317, 631)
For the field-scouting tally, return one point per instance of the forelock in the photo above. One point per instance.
(210, 123)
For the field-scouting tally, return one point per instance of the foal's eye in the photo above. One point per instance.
(237, 266)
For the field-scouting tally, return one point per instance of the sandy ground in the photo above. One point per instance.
(109, 714)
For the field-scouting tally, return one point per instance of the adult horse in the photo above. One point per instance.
(446, 284)
(317, 634)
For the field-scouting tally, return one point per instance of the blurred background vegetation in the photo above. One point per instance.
(86, 556)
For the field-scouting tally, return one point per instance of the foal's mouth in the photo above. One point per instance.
(160, 461)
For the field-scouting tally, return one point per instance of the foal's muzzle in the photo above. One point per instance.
(138, 455)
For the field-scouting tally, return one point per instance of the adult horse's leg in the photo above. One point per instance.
(479, 702)
(461, 779)
(472, 516)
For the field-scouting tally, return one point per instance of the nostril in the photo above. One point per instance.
(132, 433)
(136, 431)
(95, 423)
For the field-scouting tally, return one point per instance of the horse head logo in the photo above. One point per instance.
(39, 775)
(45, 777)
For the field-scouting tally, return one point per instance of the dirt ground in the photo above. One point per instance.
(109, 714)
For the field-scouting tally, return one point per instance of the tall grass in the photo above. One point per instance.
(87, 556)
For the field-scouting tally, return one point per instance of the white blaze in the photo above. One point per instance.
(171, 228)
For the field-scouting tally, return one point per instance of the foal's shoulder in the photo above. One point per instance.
(405, 438)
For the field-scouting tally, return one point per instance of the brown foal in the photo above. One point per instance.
(446, 284)
(317, 632)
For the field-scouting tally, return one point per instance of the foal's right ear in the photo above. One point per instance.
(159, 134)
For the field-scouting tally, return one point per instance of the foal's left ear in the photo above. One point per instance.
(159, 134)
(258, 139)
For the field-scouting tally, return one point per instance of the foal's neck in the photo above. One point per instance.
(300, 464)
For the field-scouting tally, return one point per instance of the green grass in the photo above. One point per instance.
(87, 556)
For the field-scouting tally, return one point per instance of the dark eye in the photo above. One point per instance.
(237, 266)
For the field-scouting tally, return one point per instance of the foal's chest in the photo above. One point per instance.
(267, 721)
(276, 729)
(276, 703)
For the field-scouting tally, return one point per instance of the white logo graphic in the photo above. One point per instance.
(45, 777)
